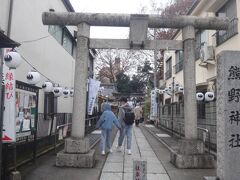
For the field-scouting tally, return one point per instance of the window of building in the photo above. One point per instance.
(228, 10)
(168, 73)
(74, 50)
(56, 32)
(178, 110)
(198, 45)
(201, 39)
(50, 105)
(67, 42)
(168, 105)
(64, 37)
(179, 61)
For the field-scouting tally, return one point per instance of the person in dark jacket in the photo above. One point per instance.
(126, 130)
(105, 123)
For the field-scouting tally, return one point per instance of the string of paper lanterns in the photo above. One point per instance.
(13, 60)
(208, 96)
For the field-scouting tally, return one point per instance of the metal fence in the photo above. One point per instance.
(172, 119)
(178, 67)
(50, 135)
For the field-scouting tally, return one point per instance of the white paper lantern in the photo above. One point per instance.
(180, 89)
(57, 91)
(168, 91)
(12, 59)
(169, 87)
(200, 96)
(162, 92)
(209, 96)
(71, 93)
(176, 86)
(66, 93)
(157, 90)
(47, 86)
(33, 77)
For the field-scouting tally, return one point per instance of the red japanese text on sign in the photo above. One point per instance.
(9, 76)
(9, 86)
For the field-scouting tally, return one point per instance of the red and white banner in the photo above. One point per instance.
(9, 122)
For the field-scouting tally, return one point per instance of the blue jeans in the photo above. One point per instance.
(127, 130)
(106, 139)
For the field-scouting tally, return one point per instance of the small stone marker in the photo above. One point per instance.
(139, 170)
(228, 115)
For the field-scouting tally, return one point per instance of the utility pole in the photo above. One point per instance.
(155, 60)
(173, 91)
(155, 74)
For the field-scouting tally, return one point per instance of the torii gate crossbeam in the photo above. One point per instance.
(123, 20)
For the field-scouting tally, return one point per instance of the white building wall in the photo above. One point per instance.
(46, 55)
(4, 11)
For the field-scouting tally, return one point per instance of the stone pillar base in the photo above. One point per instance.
(191, 155)
(86, 160)
(15, 175)
(190, 147)
(197, 161)
(76, 153)
(75, 145)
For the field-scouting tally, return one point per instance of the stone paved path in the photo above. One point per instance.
(119, 165)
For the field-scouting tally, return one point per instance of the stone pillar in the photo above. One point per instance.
(191, 151)
(228, 126)
(77, 151)
(80, 81)
(190, 103)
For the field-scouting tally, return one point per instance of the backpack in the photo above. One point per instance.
(129, 116)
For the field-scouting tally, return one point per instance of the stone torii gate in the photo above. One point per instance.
(76, 152)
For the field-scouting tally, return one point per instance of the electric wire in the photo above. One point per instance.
(43, 37)
(39, 71)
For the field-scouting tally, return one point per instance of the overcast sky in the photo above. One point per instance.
(112, 6)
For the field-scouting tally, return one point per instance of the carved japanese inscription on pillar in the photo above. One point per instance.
(228, 115)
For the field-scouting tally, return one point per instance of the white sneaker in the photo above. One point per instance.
(110, 150)
(119, 149)
(103, 153)
(129, 152)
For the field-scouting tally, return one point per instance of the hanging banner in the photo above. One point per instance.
(153, 110)
(9, 123)
(94, 86)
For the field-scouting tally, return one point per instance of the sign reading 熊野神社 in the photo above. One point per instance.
(228, 115)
